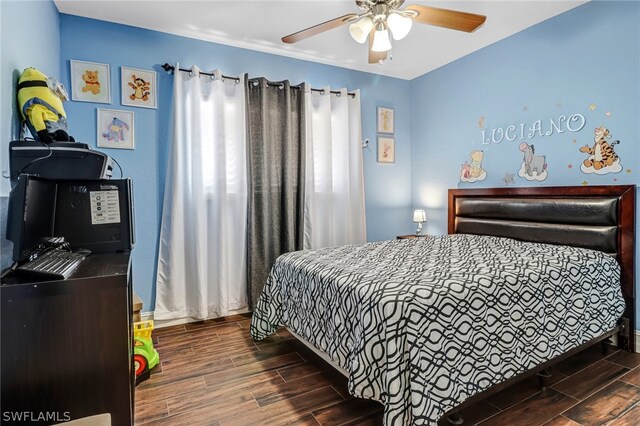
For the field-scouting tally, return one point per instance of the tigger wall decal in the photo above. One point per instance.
(602, 156)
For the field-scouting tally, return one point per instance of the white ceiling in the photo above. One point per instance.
(259, 25)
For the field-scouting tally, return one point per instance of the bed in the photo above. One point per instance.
(527, 277)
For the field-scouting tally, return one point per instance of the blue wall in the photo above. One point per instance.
(20, 49)
(388, 187)
(589, 56)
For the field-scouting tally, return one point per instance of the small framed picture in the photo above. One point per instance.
(386, 149)
(138, 88)
(385, 120)
(115, 129)
(90, 82)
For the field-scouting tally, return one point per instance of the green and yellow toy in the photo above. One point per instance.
(40, 100)
(145, 356)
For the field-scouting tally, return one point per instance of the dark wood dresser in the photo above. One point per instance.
(66, 345)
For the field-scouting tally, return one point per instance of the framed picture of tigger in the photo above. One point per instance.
(90, 82)
(138, 88)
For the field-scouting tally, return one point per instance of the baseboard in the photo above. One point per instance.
(180, 321)
(638, 341)
(146, 316)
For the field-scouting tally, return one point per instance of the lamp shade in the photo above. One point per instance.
(381, 42)
(399, 25)
(419, 216)
(359, 30)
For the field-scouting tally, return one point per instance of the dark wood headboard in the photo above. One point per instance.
(597, 217)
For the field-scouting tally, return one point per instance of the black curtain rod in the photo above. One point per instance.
(170, 68)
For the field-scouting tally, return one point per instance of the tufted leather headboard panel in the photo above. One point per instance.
(589, 222)
(595, 217)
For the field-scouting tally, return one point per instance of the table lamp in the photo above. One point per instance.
(419, 216)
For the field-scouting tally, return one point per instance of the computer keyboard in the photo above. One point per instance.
(58, 264)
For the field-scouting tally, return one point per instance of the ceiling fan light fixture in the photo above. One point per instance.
(399, 25)
(359, 30)
(379, 17)
(381, 42)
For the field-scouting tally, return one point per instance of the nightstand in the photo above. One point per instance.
(406, 237)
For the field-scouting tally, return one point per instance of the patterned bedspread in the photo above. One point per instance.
(422, 324)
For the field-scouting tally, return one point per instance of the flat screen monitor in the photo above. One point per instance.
(90, 214)
(30, 215)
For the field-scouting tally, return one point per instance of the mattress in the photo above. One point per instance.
(423, 324)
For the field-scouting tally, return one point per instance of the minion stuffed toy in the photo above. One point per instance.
(40, 100)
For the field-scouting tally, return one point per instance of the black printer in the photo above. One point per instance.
(58, 160)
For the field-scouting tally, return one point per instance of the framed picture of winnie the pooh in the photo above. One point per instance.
(138, 88)
(90, 82)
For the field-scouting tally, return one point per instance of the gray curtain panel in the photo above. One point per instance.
(276, 158)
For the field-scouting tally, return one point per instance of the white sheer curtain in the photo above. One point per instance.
(202, 253)
(334, 182)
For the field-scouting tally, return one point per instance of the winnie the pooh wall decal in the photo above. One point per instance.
(473, 172)
(138, 88)
(90, 82)
(602, 156)
(534, 167)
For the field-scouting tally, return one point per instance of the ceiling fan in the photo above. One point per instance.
(378, 17)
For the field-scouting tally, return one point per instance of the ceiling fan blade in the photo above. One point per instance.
(446, 18)
(317, 29)
(375, 57)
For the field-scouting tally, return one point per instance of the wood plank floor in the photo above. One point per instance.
(212, 373)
